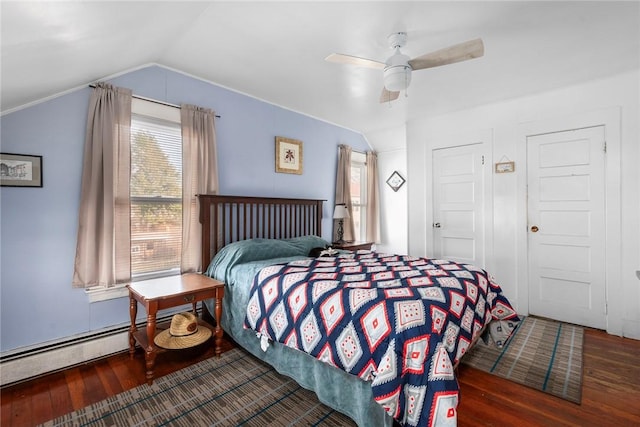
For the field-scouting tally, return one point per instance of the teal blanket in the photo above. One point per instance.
(237, 264)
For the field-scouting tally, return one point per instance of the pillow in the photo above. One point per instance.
(260, 249)
(306, 243)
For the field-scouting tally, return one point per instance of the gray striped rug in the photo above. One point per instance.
(233, 390)
(542, 354)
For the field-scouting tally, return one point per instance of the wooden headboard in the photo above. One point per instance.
(227, 219)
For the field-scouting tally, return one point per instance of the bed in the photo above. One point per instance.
(379, 364)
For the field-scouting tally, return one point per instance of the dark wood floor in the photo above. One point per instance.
(610, 394)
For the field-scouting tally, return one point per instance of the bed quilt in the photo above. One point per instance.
(400, 322)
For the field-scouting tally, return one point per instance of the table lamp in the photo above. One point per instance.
(340, 213)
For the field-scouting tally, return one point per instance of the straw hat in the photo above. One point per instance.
(183, 333)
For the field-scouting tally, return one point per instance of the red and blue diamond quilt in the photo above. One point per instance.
(400, 322)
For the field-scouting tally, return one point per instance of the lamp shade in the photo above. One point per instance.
(340, 212)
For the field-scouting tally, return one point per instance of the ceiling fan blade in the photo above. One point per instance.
(388, 96)
(354, 60)
(449, 55)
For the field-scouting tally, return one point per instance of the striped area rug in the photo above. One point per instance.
(542, 354)
(233, 390)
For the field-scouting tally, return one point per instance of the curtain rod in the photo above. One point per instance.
(153, 100)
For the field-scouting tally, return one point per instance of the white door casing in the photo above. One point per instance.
(566, 226)
(458, 204)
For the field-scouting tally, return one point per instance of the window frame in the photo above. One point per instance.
(164, 113)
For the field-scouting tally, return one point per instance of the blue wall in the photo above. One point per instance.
(39, 225)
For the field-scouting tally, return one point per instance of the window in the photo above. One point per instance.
(359, 194)
(156, 191)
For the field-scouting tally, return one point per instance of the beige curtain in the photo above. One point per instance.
(103, 245)
(199, 176)
(373, 199)
(343, 192)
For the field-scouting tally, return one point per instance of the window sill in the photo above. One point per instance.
(103, 294)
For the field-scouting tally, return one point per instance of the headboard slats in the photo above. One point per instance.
(227, 219)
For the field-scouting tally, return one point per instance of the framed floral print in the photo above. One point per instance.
(288, 155)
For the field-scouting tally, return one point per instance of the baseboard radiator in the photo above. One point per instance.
(23, 364)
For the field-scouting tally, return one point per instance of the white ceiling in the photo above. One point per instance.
(275, 51)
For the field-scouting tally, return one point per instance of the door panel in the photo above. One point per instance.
(458, 248)
(575, 224)
(566, 239)
(458, 220)
(458, 204)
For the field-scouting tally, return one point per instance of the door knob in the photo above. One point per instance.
(534, 229)
(436, 225)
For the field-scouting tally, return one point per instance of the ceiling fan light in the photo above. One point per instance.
(397, 77)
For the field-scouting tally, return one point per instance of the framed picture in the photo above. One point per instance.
(20, 170)
(288, 155)
(395, 181)
(505, 167)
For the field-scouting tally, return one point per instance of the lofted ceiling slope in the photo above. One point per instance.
(275, 51)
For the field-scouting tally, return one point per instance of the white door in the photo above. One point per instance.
(458, 205)
(566, 221)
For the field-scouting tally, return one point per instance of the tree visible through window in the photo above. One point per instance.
(156, 197)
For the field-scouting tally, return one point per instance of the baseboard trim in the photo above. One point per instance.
(43, 362)
(631, 329)
(20, 365)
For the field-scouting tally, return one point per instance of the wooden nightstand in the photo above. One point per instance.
(352, 246)
(167, 292)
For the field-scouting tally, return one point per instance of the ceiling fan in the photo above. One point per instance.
(397, 68)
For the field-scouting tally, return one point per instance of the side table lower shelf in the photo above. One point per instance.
(140, 335)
